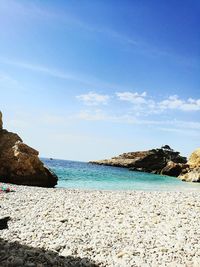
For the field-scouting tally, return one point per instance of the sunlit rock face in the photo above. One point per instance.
(20, 164)
(192, 174)
(194, 159)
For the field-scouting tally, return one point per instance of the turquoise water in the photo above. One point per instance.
(81, 175)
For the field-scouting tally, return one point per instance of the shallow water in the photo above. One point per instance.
(82, 175)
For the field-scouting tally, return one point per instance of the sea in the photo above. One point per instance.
(83, 175)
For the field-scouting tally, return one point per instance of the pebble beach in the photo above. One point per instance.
(61, 227)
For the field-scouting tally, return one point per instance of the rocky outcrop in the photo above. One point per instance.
(174, 169)
(20, 164)
(153, 161)
(192, 173)
(194, 159)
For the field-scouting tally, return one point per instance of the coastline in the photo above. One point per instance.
(109, 228)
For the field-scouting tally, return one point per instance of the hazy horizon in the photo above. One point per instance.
(93, 79)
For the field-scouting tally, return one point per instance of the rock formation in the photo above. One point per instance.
(192, 173)
(20, 164)
(153, 161)
(173, 169)
(194, 159)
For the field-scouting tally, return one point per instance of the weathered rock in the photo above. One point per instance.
(20, 164)
(194, 159)
(153, 160)
(174, 169)
(192, 174)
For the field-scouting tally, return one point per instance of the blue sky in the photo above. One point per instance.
(88, 80)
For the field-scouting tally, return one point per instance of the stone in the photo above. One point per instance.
(121, 254)
(193, 175)
(173, 169)
(55, 247)
(4, 223)
(20, 164)
(66, 252)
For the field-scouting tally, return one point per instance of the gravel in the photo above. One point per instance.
(60, 227)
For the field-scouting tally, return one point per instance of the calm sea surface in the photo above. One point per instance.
(81, 175)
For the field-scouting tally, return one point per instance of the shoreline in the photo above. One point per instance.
(195, 187)
(108, 228)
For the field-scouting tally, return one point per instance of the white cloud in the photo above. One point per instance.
(134, 98)
(146, 105)
(174, 102)
(141, 103)
(93, 99)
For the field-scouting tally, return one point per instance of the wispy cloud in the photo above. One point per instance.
(8, 82)
(32, 10)
(135, 98)
(174, 102)
(60, 74)
(97, 115)
(6, 78)
(190, 128)
(142, 102)
(93, 99)
(40, 68)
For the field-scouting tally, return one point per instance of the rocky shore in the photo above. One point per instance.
(162, 160)
(153, 160)
(59, 227)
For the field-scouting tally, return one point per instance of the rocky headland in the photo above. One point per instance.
(152, 161)
(20, 164)
(162, 160)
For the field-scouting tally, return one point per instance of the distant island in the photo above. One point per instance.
(162, 160)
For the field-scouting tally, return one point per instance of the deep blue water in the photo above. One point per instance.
(82, 175)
